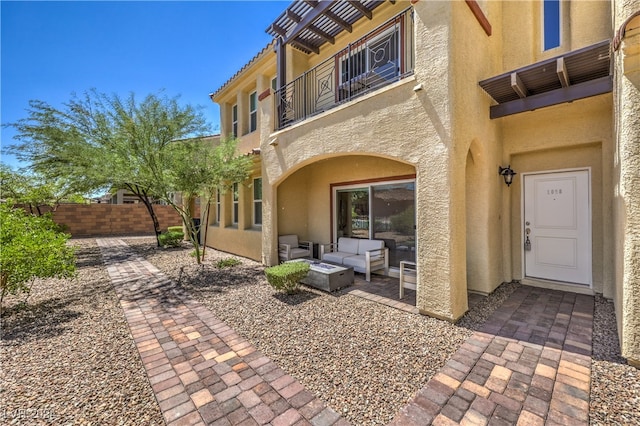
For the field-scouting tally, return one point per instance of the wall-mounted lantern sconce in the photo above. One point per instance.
(507, 173)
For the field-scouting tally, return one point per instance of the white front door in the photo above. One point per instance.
(557, 226)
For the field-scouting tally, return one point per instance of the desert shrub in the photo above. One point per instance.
(32, 247)
(174, 228)
(286, 276)
(227, 263)
(171, 239)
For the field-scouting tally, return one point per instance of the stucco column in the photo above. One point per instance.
(269, 192)
(440, 188)
(627, 163)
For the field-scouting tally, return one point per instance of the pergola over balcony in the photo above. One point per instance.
(307, 25)
(381, 57)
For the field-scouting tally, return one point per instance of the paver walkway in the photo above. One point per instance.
(529, 365)
(200, 370)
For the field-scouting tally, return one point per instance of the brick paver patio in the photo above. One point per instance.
(529, 365)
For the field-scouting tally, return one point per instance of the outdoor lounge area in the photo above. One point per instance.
(363, 255)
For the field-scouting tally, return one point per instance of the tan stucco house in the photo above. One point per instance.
(402, 121)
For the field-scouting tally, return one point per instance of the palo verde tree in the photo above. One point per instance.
(32, 247)
(34, 192)
(197, 168)
(99, 141)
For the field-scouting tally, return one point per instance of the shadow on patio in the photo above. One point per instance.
(386, 290)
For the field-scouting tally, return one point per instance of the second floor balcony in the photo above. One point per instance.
(381, 57)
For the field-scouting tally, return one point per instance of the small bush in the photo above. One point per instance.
(174, 228)
(32, 247)
(171, 239)
(227, 263)
(285, 277)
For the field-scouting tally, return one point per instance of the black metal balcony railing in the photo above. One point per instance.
(382, 57)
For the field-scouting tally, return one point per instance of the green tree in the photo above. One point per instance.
(34, 191)
(101, 141)
(197, 168)
(32, 247)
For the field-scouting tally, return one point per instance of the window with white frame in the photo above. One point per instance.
(253, 112)
(236, 203)
(551, 24)
(234, 120)
(218, 207)
(257, 201)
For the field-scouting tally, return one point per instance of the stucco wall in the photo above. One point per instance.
(627, 182)
(584, 23)
(477, 190)
(567, 136)
(304, 198)
(243, 238)
(399, 124)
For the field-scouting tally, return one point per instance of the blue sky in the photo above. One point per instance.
(51, 49)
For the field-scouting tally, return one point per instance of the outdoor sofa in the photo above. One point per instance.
(365, 256)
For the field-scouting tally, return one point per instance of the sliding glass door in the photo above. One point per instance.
(394, 219)
(382, 211)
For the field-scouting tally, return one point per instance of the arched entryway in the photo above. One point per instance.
(351, 195)
(483, 257)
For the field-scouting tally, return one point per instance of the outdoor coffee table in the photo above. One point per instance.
(326, 276)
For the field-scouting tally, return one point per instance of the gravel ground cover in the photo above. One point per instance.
(364, 359)
(68, 357)
(615, 386)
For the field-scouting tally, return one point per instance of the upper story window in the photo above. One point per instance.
(274, 83)
(236, 203)
(257, 201)
(253, 112)
(218, 205)
(551, 24)
(216, 213)
(234, 120)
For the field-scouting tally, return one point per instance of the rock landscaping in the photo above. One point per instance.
(68, 358)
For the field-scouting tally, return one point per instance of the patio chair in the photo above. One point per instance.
(290, 248)
(408, 276)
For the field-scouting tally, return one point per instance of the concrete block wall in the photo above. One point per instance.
(92, 220)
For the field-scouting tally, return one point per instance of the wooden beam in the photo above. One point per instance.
(281, 63)
(326, 36)
(293, 16)
(338, 20)
(365, 11)
(480, 16)
(305, 46)
(572, 93)
(308, 19)
(518, 86)
(297, 18)
(278, 30)
(563, 75)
